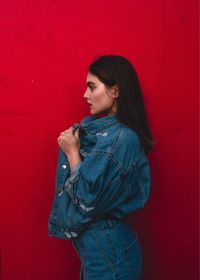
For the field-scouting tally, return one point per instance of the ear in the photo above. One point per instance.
(114, 91)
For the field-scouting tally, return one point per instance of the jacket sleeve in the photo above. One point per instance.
(102, 182)
(99, 185)
(106, 180)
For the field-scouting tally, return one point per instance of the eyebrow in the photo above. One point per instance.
(90, 83)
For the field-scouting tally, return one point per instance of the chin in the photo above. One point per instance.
(93, 112)
(100, 112)
(97, 113)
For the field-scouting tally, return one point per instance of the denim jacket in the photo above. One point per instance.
(113, 177)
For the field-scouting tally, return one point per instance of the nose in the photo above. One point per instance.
(86, 94)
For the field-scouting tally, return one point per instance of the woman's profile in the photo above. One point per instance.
(103, 173)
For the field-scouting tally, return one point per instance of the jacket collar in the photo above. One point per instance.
(93, 124)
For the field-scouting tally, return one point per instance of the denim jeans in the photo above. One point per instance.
(109, 250)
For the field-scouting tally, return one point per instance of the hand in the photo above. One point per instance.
(69, 142)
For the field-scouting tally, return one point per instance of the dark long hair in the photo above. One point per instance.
(117, 70)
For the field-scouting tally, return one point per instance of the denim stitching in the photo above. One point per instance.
(102, 250)
(112, 248)
(116, 138)
(139, 183)
(127, 260)
(110, 156)
(94, 131)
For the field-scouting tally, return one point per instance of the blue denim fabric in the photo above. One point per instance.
(112, 179)
(109, 250)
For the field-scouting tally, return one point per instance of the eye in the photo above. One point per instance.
(91, 87)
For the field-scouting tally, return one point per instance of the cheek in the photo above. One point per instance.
(96, 96)
(100, 98)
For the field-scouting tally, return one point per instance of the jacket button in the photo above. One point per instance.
(64, 166)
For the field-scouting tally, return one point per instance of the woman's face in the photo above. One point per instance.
(100, 99)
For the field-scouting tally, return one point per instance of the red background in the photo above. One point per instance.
(45, 49)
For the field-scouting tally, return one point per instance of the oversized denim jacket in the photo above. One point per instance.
(113, 177)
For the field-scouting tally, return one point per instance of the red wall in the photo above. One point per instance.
(45, 49)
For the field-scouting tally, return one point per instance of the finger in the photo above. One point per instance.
(70, 129)
(77, 132)
(64, 132)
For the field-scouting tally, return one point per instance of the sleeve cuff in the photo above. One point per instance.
(75, 171)
(70, 182)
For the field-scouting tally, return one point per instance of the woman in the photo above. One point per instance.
(103, 174)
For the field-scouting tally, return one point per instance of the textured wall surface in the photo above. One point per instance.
(45, 49)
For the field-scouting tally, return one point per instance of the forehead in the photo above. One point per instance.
(92, 78)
